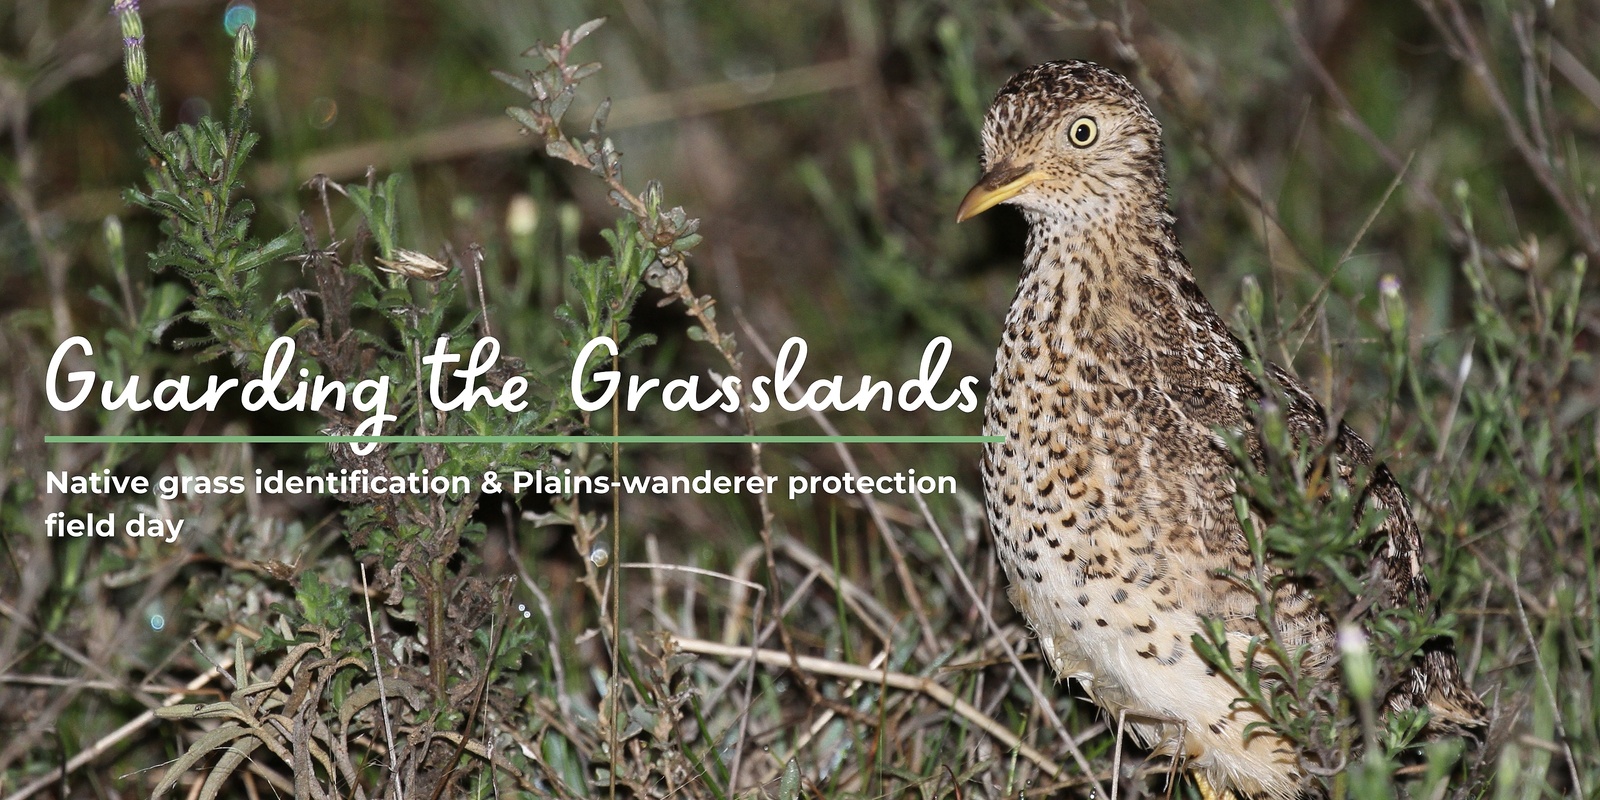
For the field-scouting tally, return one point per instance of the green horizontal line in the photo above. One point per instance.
(523, 439)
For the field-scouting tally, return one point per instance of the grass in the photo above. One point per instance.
(835, 646)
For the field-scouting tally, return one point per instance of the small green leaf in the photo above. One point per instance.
(200, 749)
(789, 784)
(517, 82)
(582, 31)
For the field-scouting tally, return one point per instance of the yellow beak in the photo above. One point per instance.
(995, 187)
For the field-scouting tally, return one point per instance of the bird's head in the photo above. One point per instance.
(1070, 140)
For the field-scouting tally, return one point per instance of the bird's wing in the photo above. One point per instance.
(1434, 680)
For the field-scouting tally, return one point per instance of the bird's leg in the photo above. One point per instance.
(1179, 755)
(1209, 792)
(1116, 758)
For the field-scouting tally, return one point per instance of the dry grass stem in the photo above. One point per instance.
(867, 675)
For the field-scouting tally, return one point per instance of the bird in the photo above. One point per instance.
(1108, 479)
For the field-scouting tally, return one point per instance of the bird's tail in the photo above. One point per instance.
(1435, 683)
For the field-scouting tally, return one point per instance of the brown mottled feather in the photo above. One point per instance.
(1111, 494)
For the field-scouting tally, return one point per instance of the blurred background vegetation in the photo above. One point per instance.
(1313, 147)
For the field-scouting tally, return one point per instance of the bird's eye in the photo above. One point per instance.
(1083, 132)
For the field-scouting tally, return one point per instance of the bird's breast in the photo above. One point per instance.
(1093, 526)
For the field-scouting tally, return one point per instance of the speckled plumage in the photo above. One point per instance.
(1111, 497)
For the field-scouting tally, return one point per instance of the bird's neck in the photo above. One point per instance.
(1113, 281)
